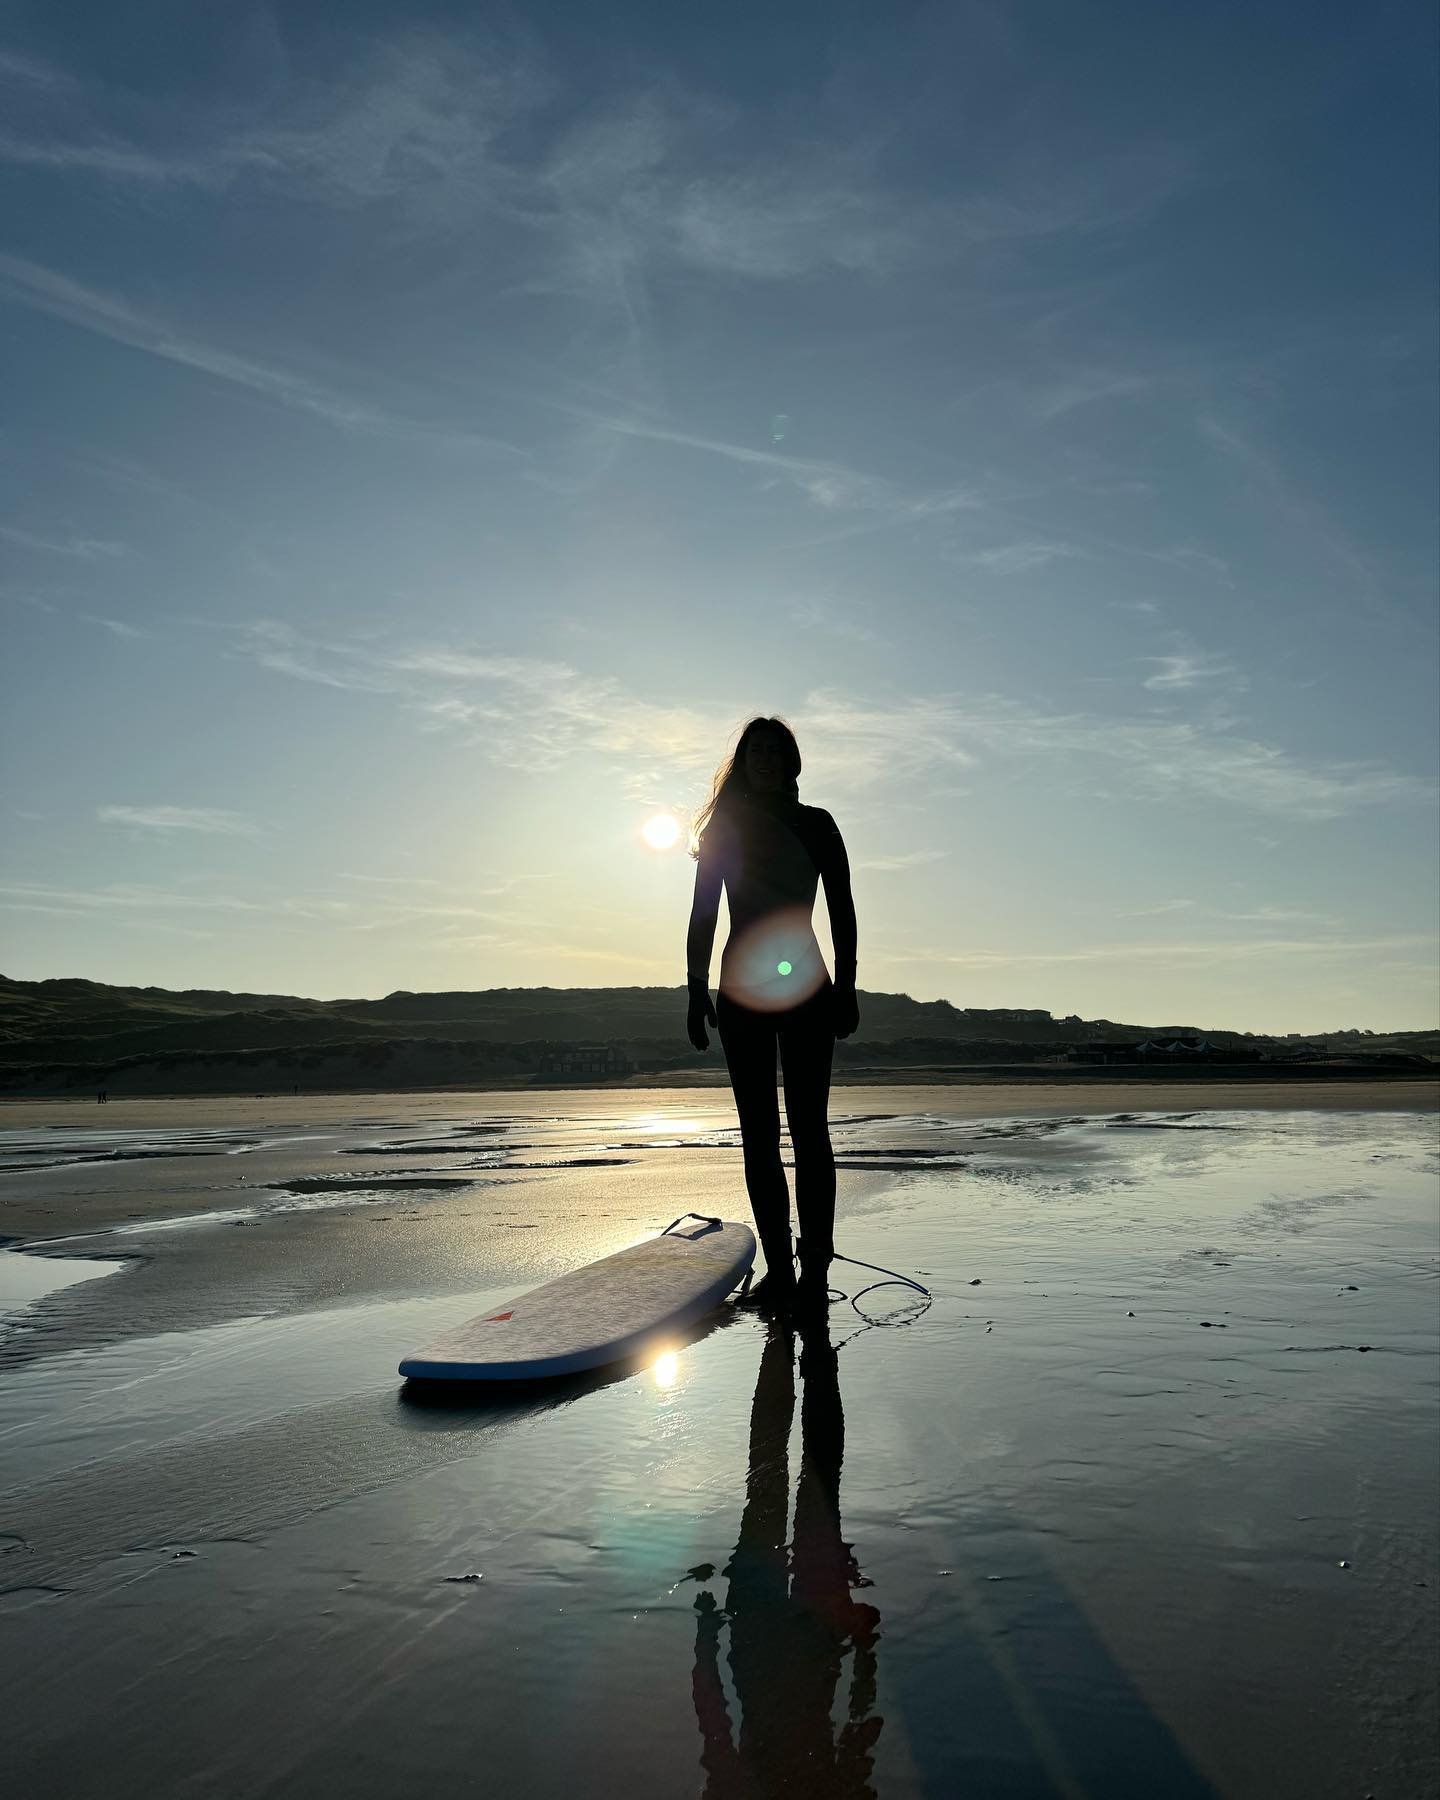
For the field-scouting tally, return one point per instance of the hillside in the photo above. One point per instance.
(60, 1034)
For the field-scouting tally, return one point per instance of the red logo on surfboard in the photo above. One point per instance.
(496, 1318)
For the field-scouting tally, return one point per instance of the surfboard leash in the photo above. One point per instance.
(893, 1278)
(708, 1220)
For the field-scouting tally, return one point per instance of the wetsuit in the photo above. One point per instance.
(775, 992)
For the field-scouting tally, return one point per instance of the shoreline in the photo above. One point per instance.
(842, 1075)
(1080, 1096)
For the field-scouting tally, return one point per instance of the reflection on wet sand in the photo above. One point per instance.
(792, 1618)
(1118, 1551)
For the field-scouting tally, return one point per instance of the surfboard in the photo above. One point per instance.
(609, 1310)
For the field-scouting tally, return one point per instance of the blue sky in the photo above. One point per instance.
(428, 433)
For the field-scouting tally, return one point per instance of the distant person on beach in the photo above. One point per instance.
(754, 839)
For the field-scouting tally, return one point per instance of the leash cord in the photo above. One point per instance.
(894, 1279)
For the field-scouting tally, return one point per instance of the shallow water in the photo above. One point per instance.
(26, 1279)
(1141, 1505)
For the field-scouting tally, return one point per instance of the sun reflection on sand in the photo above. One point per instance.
(658, 1124)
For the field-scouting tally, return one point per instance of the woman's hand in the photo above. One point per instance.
(845, 1011)
(701, 1013)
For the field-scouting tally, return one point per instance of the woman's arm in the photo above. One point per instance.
(834, 867)
(704, 911)
(840, 902)
(699, 941)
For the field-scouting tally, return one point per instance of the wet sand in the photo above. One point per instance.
(1081, 1095)
(1142, 1504)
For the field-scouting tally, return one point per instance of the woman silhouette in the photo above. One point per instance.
(753, 838)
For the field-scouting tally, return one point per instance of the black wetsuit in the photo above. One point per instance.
(775, 992)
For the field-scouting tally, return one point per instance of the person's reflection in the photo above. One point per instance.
(791, 1621)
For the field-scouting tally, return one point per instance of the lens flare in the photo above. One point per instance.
(774, 964)
(662, 832)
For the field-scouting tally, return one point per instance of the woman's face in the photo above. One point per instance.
(765, 762)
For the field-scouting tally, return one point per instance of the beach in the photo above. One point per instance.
(1140, 1502)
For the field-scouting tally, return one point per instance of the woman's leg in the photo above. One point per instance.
(807, 1049)
(748, 1039)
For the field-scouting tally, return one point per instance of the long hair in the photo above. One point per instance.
(729, 783)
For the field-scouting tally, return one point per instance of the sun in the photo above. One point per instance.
(662, 832)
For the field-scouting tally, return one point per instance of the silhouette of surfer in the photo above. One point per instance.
(791, 1625)
(754, 839)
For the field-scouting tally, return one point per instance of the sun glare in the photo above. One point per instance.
(662, 832)
(667, 1368)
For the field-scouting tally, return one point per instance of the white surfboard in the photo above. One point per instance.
(609, 1310)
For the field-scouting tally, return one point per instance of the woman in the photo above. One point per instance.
(754, 838)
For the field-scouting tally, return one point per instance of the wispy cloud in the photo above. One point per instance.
(115, 897)
(114, 160)
(30, 71)
(418, 119)
(1013, 559)
(44, 290)
(116, 627)
(523, 712)
(1050, 400)
(813, 616)
(389, 880)
(468, 942)
(428, 125)
(1282, 915)
(1282, 497)
(86, 549)
(1216, 950)
(1159, 910)
(1257, 915)
(407, 117)
(1166, 757)
(268, 911)
(119, 899)
(213, 821)
(394, 914)
(853, 744)
(912, 859)
(833, 487)
(1188, 670)
(550, 711)
(628, 959)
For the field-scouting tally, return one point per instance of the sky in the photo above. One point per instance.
(428, 433)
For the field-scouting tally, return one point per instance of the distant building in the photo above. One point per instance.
(1101, 1052)
(1162, 1049)
(1011, 1015)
